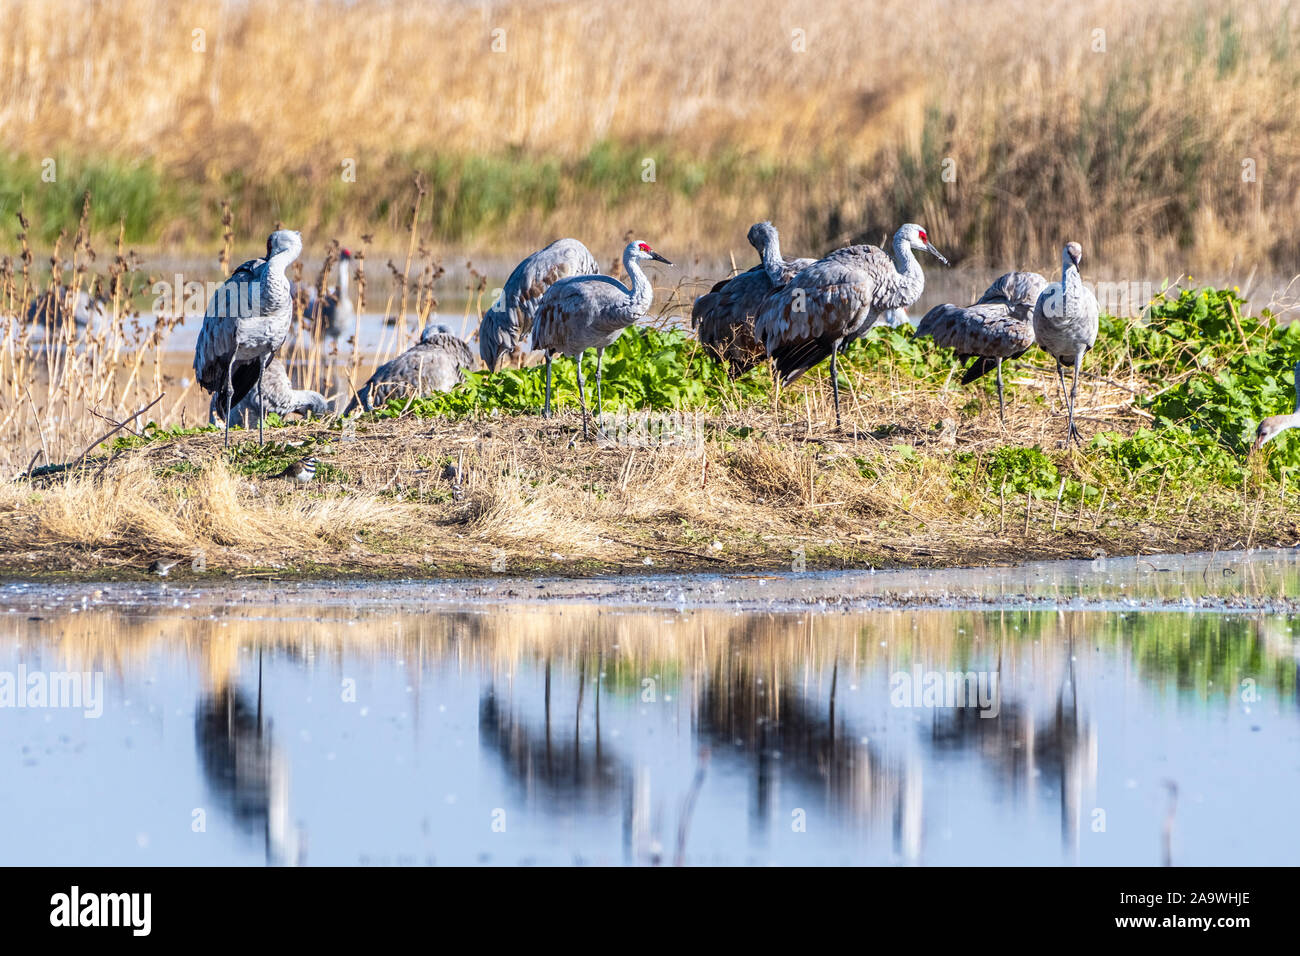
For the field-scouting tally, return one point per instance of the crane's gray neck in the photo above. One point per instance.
(1071, 283)
(904, 259)
(345, 267)
(642, 292)
(273, 290)
(773, 264)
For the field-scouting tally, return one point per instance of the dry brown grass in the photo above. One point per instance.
(1136, 151)
(534, 497)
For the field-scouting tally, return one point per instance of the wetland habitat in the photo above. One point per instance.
(1136, 707)
(834, 601)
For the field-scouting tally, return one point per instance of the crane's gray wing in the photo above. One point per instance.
(497, 335)
(724, 319)
(792, 267)
(577, 309)
(424, 368)
(988, 329)
(802, 323)
(218, 337)
(509, 322)
(456, 348)
(1020, 290)
(537, 273)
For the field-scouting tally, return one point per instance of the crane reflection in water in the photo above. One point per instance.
(245, 768)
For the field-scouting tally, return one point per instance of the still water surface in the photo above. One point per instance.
(1138, 710)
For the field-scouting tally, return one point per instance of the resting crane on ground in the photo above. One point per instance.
(50, 307)
(837, 299)
(582, 312)
(723, 317)
(436, 363)
(278, 397)
(1274, 425)
(505, 334)
(1066, 317)
(245, 324)
(998, 326)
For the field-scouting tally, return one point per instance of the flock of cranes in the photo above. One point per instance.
(796, 313)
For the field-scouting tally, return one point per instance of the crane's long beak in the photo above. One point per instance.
(1260, 439)
(929, 246)
(659, 258)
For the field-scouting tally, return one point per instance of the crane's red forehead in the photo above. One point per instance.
(645, 247)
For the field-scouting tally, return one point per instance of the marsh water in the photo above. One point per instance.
(1134, 711)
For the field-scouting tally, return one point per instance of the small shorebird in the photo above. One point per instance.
(162, 566)
(300, 471)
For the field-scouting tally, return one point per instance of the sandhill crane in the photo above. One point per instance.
(1066, 316)
(437, 363)
(1274, 425)
(245, 324)
(998, 326)
(334, 311)
(278, 397)
(582, 312)
(724, 316)
(504, 335)
(50, 307)
(837, 299)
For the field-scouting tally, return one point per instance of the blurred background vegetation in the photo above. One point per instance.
(1165, 137)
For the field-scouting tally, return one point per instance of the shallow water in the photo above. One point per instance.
(1136, 710)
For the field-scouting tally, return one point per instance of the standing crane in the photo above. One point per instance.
(1274, 425)
(436, 363)
(334, 311)
(245, 324)
(591, 311)
(837, 299)
(1066, 317)
(998, 326)
(723, 317)
(278, 397)
(504, 335)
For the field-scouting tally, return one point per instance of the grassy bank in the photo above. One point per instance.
(1159, 136)
(698, 472)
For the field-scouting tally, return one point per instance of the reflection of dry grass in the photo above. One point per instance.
(882, 493)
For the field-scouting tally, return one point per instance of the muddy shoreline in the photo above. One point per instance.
(1206, 581)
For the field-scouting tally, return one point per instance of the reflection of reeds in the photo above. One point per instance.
(779, 697)
(1205, 655)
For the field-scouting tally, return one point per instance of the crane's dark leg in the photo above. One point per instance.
(600, 357)
(1060, 375)
(1074, 432)
(228, 394)
(1002, 406)
(582, 397)
(261, 409)
(835, 383)
(546, 409)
